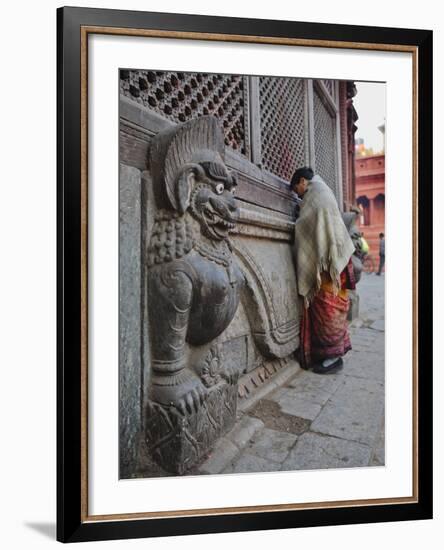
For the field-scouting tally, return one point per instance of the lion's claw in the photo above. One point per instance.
(186, 397)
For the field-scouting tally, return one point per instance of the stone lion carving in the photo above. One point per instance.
(194, 283)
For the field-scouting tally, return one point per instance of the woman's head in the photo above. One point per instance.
(300, 180)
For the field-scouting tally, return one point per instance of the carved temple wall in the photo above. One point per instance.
(271, 126)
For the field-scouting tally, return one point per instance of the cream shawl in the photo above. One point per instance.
(322, 242)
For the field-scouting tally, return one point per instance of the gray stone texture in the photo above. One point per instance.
(193, 291)
(219, 458)
(272, 445)
(148, 215)
(306, 394)
(244, 430)
(378, 325)
(259, 387)
(364, 364)
(129, 312)
(353, 312)
(270, 298)
(315, 451)
(354, 411)
(276, 263)
(179, 441)
(248, 463)
(299, 407)
(315, 388)
(378, 457)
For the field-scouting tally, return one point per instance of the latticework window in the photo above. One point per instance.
(183, 96)
(277, 125)
(325, 143)
(282, 118)
(329, 84)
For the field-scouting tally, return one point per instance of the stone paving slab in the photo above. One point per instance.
(228, 447)
(278, 394)
(378, 325)
(272, 445)
(318, 397)
(378, 457)
(309, 381)
(299, 407)
(244, 430)
(314, 451)
(359, 344)
(248, 463)
(368, 333)
(307, 394)
(224, 452)
(354, 411)
(364, 364)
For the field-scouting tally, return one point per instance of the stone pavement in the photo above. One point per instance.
(318, 421)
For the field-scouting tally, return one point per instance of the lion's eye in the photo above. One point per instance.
(220, 188)
(233, 190)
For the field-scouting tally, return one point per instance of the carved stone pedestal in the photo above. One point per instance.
(177, 441)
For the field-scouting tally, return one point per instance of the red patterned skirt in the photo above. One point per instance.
(324, 327)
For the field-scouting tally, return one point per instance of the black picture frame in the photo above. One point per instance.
(73, 523)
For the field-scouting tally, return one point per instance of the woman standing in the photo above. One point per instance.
(323, 250)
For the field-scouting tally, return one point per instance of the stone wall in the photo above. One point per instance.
(130, 321)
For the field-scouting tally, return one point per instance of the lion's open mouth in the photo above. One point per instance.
(217, 222)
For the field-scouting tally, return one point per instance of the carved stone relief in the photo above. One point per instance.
(194, 287)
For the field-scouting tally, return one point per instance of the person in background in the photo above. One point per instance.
(364, 246)
(322, 253)
(381, 253)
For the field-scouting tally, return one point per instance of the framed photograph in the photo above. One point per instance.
(236, 350)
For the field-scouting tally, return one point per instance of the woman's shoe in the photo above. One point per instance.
(329, 367)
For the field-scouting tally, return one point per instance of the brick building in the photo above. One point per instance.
(370, 197)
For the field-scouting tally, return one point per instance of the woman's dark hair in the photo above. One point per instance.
(305, 172)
